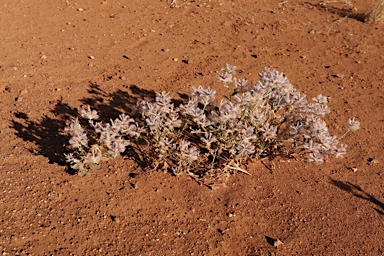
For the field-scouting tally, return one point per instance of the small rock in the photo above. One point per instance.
(43, 56)
(274, 241)
(23, 92)
(373, 161)
(353, 169)
(277, 243)
(80, 9)
(175, 59)
(133, 175)
(338, 75)
(91, 57)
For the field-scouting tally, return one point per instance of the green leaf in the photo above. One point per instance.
(94, 166)
(78, 166)
(82, 172)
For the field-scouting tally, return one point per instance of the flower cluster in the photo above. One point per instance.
(107, 140)
(203, 136)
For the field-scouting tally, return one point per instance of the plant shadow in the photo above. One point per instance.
(47, 134)
(357, 191)
(343, 12)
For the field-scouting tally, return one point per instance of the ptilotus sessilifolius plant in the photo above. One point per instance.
(206, 137)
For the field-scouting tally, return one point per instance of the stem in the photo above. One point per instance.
(237, 168)
(344, 134)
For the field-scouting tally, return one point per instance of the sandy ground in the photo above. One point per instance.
(57, 56)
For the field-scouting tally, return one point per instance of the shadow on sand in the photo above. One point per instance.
(48, 133)
(360, 193)
(342, 12)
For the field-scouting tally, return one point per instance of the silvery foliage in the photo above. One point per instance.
(94, 142)
(206, 137)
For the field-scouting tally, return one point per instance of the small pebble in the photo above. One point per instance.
(277, 243)
(80, 9)
(338, 75)
(175, 59)
(91, 57)
(373, 161)
(23, 92)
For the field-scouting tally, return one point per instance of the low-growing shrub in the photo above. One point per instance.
(376, 11)
(208, 138)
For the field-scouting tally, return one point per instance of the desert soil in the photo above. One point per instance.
(58, 56)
